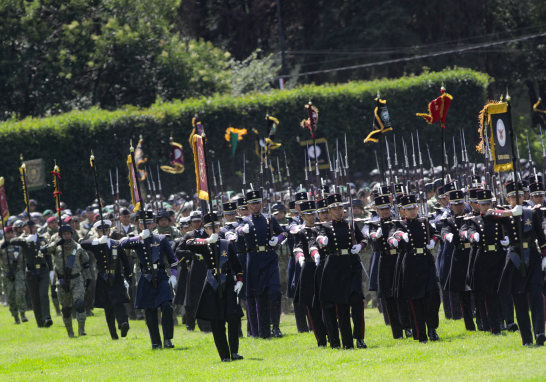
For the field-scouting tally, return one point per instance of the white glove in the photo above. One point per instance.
(273, 242)
(395, 243)
(475, 237)
(95, 242)
(324, 241)
(431, 244)
(172, 281)
(405, 236)
(231, 236)
(103, 239)
(238, 286)
(378, 233)
(517, 210)
(356, 248)
(213, 238)
(246, 228)
(449, 237)
(30, 239)
(145, 234)
(301, 260)
(126, 285)
(51, 276)
(543, 264)
(505, 242)
(317, 258)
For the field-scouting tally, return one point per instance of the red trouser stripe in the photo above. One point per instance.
(415, 319)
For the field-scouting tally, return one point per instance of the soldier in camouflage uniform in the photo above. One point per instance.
(71, 264)
(51, 230)
(13, 274)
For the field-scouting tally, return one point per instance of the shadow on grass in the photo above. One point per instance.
(182, 348)
(254, 359)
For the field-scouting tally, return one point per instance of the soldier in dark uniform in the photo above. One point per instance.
(379, 232)
(154, 287)
(224, 273)
(456, 279)
(418, 282)
(111, 291)
(307, 254)
(39, 273)
(484, 273)
(524, 289)
(341, 284)
(263, 279)
(197, 272)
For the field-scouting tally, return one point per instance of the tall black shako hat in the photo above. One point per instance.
(484, 196)
(408, 201)
(308, 207)
(253, 196)
(334, 200)
(208, 218)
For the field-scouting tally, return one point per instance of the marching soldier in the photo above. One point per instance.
(164, 227)
(211, 307)
(379, 232)
(307, 254)
(484, 274)
(39, 273)
(263, 279)
(111, 287)
(456, 279)
(526, 289)
(154, 287)
(71, 264)
(418, 282)
(341, 284)
(13, 272)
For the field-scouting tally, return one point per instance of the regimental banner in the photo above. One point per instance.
(3, 201)
(310, 153)
(135, 196)
(500, 127)
(35, 174)
(200, 167)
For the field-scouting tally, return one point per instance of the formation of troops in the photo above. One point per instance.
(321, 251)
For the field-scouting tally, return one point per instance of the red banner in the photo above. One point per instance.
(3, 201)
(200, 167)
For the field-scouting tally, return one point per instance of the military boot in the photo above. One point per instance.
(23, 318)
(16, 316)
(68, 325)
(81, 328)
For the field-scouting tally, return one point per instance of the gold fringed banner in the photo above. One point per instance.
(132, 184)
(499, 141)
(200, 167)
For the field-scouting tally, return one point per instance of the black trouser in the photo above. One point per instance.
(391, 305)
(356, 307)
(521, 303)
(252, 317)
(425, 314)
(404, 313)
(166, 322)
(452, 306)
(225, 350)
(204, 325)
(384, 311)
(266, 304)
(330, 316)
(38, 287)
(506, 307)
(90, 294)
(300, 312)
(487, 304)
(315, 317)
(113, 313)
(465, 299)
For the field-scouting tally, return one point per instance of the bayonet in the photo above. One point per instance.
(288, 176)
(424, 199)
(159, 185)
(215, 188)
(431, 165)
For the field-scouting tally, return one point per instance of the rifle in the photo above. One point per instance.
(395, 160)
(543, 153)
(273, 181)
(159, 185)
(517, 162)
(431, 165)
(332, 170)
(92, 160)
(352, 218)
(467, 162)
(221, 186)
(116, 212)
(448, 177)
(408, 181)
(393, 184)
(425, 205)
(117, 198)
(279, 176)
(391, 179)
(288, 176)
(244, 178)
(377, 164)
(153, 186)
(531, 159)
(57, 194)
(418, 189)
(269, 204)
(305, 168)
(149, 188)
(455, 163)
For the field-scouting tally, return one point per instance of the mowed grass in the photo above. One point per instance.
(31, 354)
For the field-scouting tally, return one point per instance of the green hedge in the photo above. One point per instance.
(346, 108)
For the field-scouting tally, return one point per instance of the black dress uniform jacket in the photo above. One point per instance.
(387, 256)
(456, 279)
(304, 243)
(197, 271)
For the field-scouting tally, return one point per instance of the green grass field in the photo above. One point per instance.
(31, 354)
